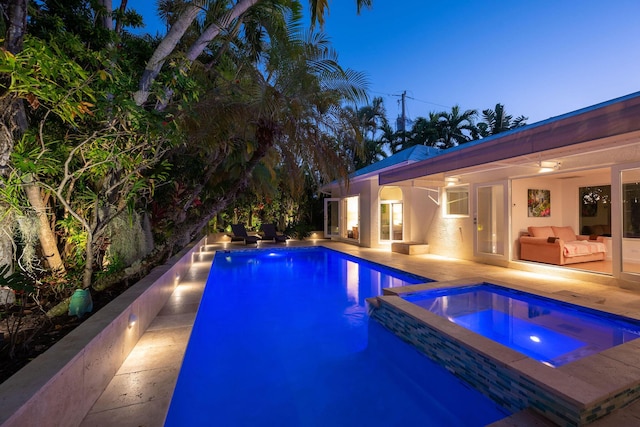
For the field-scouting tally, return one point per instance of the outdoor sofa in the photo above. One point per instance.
(560, 246)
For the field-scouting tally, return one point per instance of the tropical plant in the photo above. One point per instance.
(455, 127)
(497, 120)
(425, 131)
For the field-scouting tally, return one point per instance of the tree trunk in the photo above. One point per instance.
(106, 16)
(210, 33)
(6, 236)
(16, 12)
(45, 234)
(164, 49)
(123, 9)
(213, 30)
(12, 115)
(13, 119)
(87, 273)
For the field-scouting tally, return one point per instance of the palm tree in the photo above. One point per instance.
(389, 138)
(425, 131)
(372, 117)
(455, 127)
(228, 14)
(497, 120)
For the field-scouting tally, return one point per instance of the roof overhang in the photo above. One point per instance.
(606, 121)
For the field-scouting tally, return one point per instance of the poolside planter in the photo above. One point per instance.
(80, 303)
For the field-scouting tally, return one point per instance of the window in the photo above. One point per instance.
(595, 210)
(631, 210)
(457, 201)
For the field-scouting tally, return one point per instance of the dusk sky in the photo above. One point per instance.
(540, 59)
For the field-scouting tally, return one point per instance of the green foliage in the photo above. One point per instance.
(43, 75)
(75, 240)
(113, 264)
(299, 231)
(17, 281)
(89, 145)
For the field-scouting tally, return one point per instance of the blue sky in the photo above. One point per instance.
(539, 58)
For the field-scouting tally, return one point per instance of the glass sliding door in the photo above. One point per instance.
(391, 221)
(342, 217)
(490, 220)
(331, 218)
(396, 221)
(630, 200)
(391, 214)
(385, 221)
(351, 218)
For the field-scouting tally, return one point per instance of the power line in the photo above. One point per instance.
(428, 102)
(410, 97)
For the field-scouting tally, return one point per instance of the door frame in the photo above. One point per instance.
(505, 224)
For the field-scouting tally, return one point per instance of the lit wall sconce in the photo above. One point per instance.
(549, 166)
(132, 320)
(452, 180)
(177, 278)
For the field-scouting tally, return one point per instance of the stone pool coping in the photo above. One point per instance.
(577, 393)
(60, 386)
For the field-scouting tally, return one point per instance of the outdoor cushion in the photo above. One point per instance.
(565, 233)
(541, 232)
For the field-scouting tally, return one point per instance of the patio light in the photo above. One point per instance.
(548, 166)
(132, 320)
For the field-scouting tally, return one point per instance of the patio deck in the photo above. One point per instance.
(140, 392)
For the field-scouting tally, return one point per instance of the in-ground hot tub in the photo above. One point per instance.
(579, 389)
(548, 330)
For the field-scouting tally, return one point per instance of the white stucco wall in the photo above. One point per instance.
(451, 236)
(420, 212)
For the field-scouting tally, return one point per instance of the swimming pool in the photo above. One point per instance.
(282, 337)
(550, 331)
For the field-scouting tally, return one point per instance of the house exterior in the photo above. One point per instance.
(475, 201)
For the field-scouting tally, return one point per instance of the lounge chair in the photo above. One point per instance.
(240, 234)
(270, 233)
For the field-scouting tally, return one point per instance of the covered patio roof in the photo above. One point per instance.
(608, 125)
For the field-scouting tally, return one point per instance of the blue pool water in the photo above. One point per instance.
(544, 329)
(282, 338)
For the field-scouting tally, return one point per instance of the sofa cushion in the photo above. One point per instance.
(565, 233)
(541, 231)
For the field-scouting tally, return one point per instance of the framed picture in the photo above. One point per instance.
(539, 203)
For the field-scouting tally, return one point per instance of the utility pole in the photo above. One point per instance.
(404, 121)
(401, 122)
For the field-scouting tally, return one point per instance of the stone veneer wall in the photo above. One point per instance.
(59, 387)
(506, 386)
